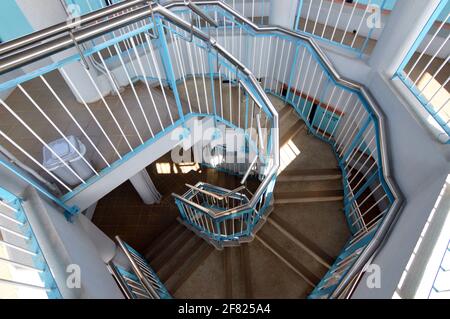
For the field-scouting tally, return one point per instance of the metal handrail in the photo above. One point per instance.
(17, 57)
(218, 197)
(387, 224)
(64, 27)
(83, 34)
(146, 284)
(211, 212)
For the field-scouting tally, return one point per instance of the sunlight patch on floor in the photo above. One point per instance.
(288, 153)
(172, 168)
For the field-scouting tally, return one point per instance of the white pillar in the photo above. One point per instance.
(44, 13)
(197, 150)
(283, 13)
(145, 187)
(405, 24)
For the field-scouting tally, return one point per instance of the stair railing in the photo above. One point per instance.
(337, 111)
(356, 132)
(222, 217)
(139, 282)
(25, 271)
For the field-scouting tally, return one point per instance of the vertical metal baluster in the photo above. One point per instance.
(144, 74)
(317, 17)
(182, 70)
(158, 73)
(352, 14)
(52, 123)
(29, 129)
(133, 88)
(77, 93)
(74, 119)
(360, 24)
(116, 89)
(338, 19)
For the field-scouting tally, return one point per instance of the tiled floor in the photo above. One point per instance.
(123, 213)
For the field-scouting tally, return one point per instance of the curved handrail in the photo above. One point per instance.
(382, 233)
(18, 56)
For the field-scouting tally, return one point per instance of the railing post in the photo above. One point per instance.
(211, 58)
(167, 63)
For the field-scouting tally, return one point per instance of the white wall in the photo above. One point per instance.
(64, 243)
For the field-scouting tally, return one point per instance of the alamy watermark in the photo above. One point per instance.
(373, 279)
(73, 280)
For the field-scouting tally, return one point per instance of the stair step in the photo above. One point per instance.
(293, 130)
(171, 249)
(245, 271)
(178, 260)
(301, 175)
(189, 265)
(228, 269)
(301, 241)
(308, 196)
(283, 113)
(306, 186)
(288, 259)
(160, 243)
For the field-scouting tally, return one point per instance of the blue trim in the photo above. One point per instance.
(39, 260)
(299, 15)
(356, 140)
(167, 62)
(211, 74)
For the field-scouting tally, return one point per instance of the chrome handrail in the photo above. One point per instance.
(137, 270)
(387, 224)
(86, 33)
(17, 57)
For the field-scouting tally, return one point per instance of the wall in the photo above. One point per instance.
(13, 23)
(64, 243)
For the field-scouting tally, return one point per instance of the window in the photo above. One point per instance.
(426, 69)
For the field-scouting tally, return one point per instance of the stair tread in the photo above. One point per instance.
(189, 266)
(284, 112)
(288, 259)
(177, 261)
(303, 194)
(311, 172)
(293, 130)
(245, 270)
(302, 241)
(161, 242)
(171, 249)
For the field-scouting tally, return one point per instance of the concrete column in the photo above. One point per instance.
(407, 20)
(45, 13)
(145, 187)
(283, 13)
(197, 151)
